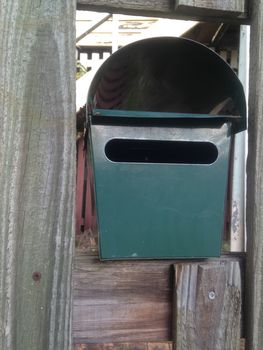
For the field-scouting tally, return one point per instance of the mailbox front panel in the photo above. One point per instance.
(160, 204)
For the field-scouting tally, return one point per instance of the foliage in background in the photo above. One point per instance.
(81, 70)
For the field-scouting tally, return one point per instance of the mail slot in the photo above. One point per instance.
(154, 151)
(162, 113)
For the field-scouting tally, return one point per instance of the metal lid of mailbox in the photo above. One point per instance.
(167, 74)
(101, 116)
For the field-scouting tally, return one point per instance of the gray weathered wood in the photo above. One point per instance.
(133, 346)
(37, 160)
(134, 5)
(254, 289)
(121, 301)
(127, 301)
(125, 346)
(233, 7)
(207, 306)
(221, 10)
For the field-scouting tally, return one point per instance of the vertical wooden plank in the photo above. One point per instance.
(37, 162)
(207, 306)
(254, 289)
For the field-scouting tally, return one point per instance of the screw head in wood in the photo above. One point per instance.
(211, 295)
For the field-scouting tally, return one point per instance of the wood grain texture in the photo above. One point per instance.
(133, 346)
(234, 7)
(121, 301)
(112, 346)
(125, 301)
(254, 285)
(37, 161)
(147, 5)
(160, 346)
(125, 346)
(207, 306)
(181, 9)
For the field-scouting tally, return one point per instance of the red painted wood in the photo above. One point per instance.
(85, 219)
(79, 184)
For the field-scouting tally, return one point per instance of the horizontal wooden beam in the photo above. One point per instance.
(231, 8)
(124, 5)
(201, 10)
(126, 346)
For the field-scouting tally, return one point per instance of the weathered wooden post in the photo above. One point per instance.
(254, 291)
(37, 166)
(207, 305)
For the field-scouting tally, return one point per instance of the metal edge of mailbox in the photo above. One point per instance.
(108, 115)
(149, 114)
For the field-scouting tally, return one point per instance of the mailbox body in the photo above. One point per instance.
(160, 209)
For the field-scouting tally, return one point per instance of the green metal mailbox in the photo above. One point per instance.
(161, 176)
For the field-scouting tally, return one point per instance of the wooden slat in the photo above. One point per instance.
(254, 286)
(160, 346)
(182, 9)
(121, 301)
(125, 346)
(37, 157)
(133, 346)
(112, 346)
(207, 306)
(211, 7)
(134, 5)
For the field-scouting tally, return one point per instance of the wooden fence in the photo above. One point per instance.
(37, 162)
